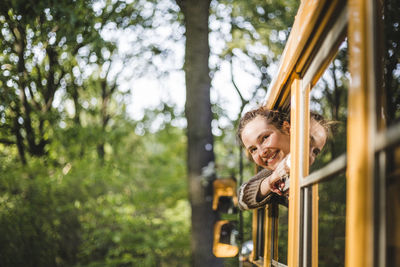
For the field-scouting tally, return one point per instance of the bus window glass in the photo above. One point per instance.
(332, 222)
(260, 234)
(282, 234)
(393, 207)
(228, 233)
(390, 90)
(329, 99)
(391, 60)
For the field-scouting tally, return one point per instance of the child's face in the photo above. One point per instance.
(318, 138)
(265, 143)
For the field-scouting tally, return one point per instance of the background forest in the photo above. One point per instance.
(82, 181)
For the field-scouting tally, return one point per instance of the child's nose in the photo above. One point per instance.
(264, 151)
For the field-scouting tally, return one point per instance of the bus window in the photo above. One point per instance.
(329, 98)
(225, 199)
(225, 235)
(388, 116)
(283, 234)
(393, 206)
(391, 60)
(332, 221)
(259, 252)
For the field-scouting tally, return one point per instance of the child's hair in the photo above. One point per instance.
(274, 117)
(326, 124)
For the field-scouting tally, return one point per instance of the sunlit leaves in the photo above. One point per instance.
(130, 210)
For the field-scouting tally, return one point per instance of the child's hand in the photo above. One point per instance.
(279, 176)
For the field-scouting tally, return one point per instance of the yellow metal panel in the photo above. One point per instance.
(317, 35)
(305, 128)
(267, 235)
(299, 143)
(306, 19)
(271, 224)
(359, 210)
(294, 196)
(314, 246)
(224, 187)
(304, 141)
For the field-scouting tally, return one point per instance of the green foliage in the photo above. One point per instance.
(78, 186)
(39, 57)
(56, 67)
(265, 22)
(127, 211)
(32, 217)
(258, 31)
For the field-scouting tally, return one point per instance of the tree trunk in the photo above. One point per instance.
(200, 139)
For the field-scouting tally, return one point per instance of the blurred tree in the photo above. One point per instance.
(94, 213)
(38, 59)
(48, 51)
(60, 102)
(200, 138)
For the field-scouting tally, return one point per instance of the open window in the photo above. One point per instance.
(225, 230)
(225, 234)
(225, 197)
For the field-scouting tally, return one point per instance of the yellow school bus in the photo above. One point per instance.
(366, 35)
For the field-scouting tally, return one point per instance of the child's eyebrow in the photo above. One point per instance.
(262, 134)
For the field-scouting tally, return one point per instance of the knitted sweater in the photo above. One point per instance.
(248, 192)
